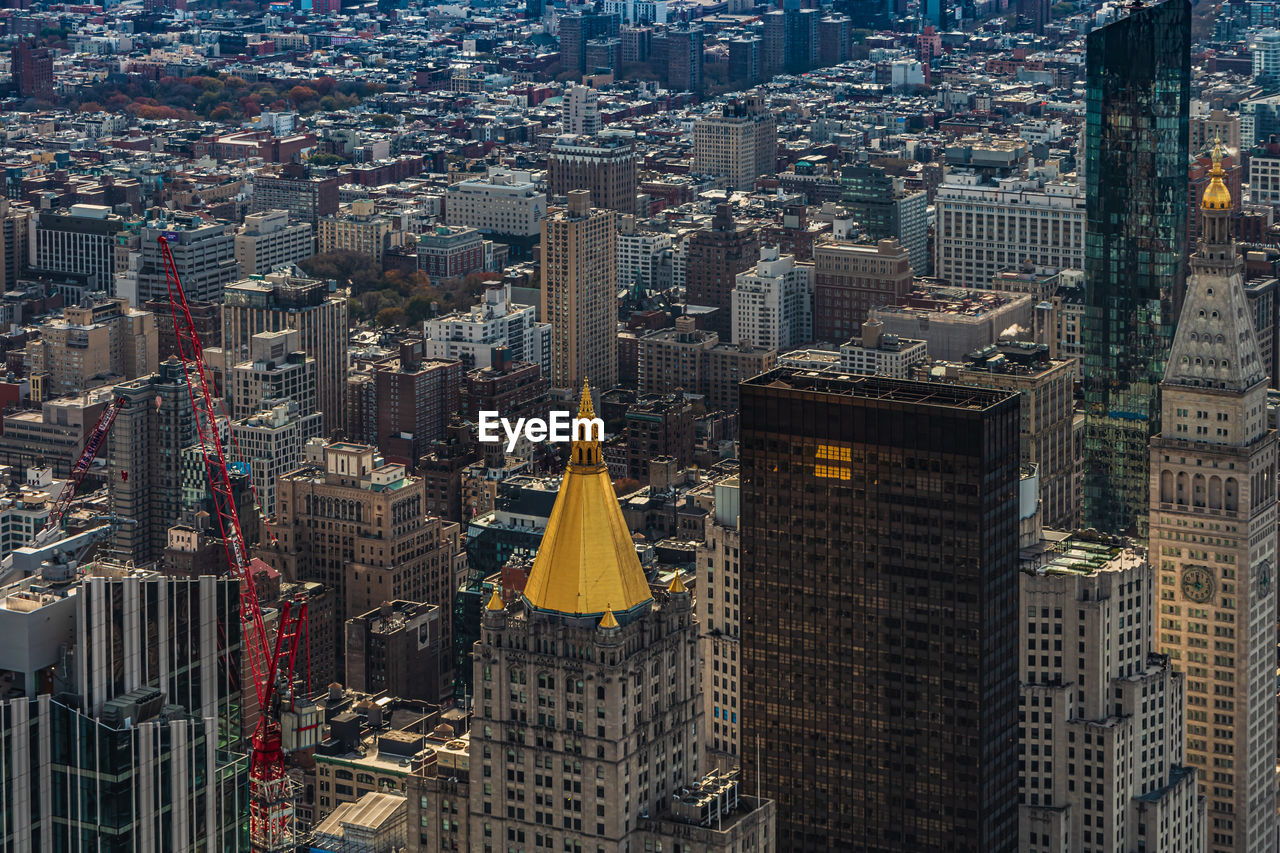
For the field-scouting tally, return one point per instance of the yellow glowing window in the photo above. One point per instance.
(833, 462)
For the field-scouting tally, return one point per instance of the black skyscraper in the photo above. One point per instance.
(1136, 133)
(880, 586)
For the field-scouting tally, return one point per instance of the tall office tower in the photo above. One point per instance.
(95, 343)
(684, 58)
(82, 240)
(281, 301)
(1213, 523)
(579, 294)
(204, 253)
(578, 29)
(774, 47)
(719, 612)
(144, 460)
(599, 722)
(884, 207)
(414, 401)
(745, 60)
(147, 755)
(14, 240)
(276, 370)
(1036, 13)
(984, 228)
(268, 241)
(580, 112)
(802, 39)
(852, 278)
(1139, 78)
(772, 304)
(1046, 392)
(740, 144)
(308, 197)
(351, 521)
(1101, 737)
(715, 257)
(879, 525)
(1265, 50)
(605, 166)
(32, 69)
(835, 36)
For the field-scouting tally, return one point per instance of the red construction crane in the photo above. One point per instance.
(271, 797)
(92, 445)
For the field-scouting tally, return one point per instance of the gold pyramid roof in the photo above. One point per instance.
(587, 563)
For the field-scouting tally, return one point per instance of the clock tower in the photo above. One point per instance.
(1213, 538)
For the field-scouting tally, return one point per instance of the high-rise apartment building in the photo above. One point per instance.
(351, 521)
(987, 228)
(270, 442)
(849, 279)
(1101, 741)
(143, 454)
(97, 342)
(475, 336)
(604, 165)
(1264, 49)
(580, 112)
(884, 207)
(308, 197)
(772, 304)
(684, 58)
(32, 69)
(639, 254)
(268, 241)
(835, 37)
(204, 253)
(397, 649)
(1138, 99)
(504, 202)
(361, 229)
(82, 240)
(714, 257)
(601, 718)
(879, 542)
(741, 143)
(579, 295)
(280, 301)
(746, 60)
(1213, 528)
(276, 370)
(579, 28)
(15, 237)
(414, 400)
(719, 612)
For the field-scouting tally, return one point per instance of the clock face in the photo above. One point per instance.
(1197, 584)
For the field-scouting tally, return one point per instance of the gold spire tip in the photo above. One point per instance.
(495, 601)
(608, 620)
(677, 586)
(585, 409)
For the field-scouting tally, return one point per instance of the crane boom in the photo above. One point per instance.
(92, 446)
(271, 659)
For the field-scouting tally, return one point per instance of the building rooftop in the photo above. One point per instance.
(880, 388)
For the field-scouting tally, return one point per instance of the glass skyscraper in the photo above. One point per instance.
(1136, 140)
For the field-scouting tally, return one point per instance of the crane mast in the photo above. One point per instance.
(271, 658)
(92, 445)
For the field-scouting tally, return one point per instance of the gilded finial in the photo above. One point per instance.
(608, 620)
(677, 586)
(585, 409)
(495, 601)
(1216, 195)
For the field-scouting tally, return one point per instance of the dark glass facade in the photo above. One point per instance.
(1139, 79)
(880, 585)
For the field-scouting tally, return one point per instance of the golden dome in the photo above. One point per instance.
(587, 561)
(1216, 195)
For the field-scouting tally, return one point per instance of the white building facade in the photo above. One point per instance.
(773, 304)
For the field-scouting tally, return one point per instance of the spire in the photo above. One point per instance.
(1216, 195)
(609, 620)
(677, 586)
(495, 601)
(587, 561)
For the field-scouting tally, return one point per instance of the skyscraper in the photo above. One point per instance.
(579, 293)
(1213, 525)
(578, 29)
(684, 58)
(715, 257)
(879, 527)
(204, 253)
(604, 165)
(588, 713)
(282, 301)
(884, 207)
(1138, 97)
(32, 70)
(741, 143)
